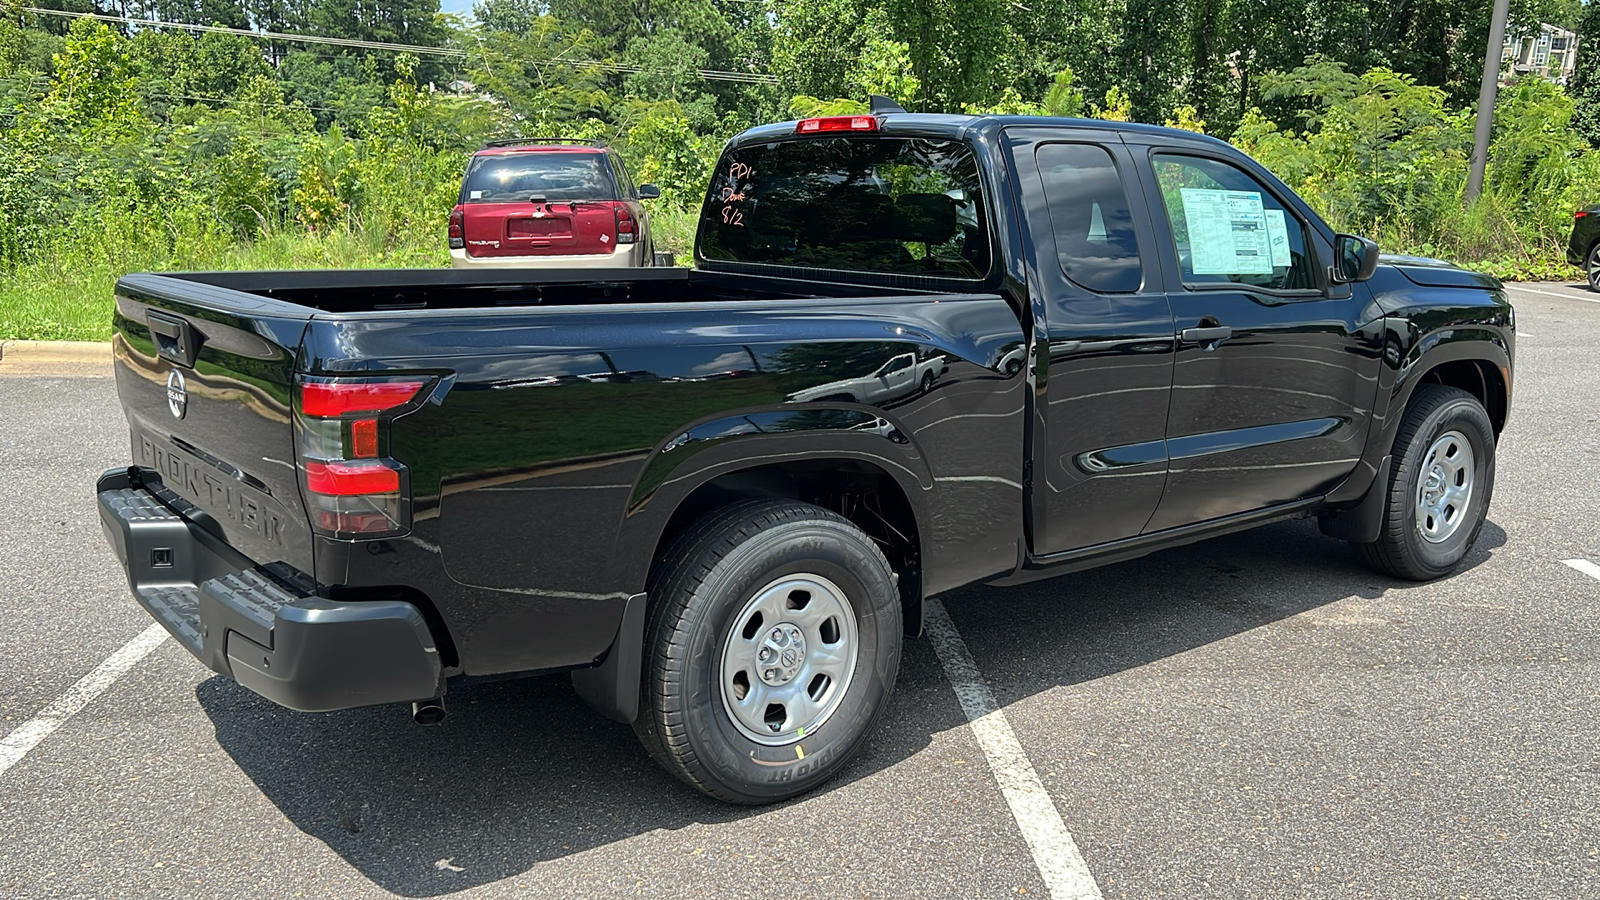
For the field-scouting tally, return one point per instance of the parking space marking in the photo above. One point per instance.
(1584, 566)
(1065, 874)
(28, 735)
(1572, 296)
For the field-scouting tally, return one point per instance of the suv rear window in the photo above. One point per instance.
(520, 177)
(910, 206)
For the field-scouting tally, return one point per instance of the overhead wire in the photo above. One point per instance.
(617, 68)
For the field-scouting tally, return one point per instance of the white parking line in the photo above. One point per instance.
(1568, 296)
(1584, 566)
(1065, 874)
(28, 735)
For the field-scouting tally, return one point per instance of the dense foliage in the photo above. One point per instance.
(126, 147)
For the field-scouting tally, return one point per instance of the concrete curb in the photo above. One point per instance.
(47, 352)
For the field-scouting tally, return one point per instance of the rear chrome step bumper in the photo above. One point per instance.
(241, 620)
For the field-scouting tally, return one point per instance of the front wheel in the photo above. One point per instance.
(1440, 483)
(774, 639)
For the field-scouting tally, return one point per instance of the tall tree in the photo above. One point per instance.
(1585, 85)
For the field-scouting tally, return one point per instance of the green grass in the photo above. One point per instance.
(673, 230)
(66, 294)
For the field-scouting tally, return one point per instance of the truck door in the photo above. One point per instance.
(1104, 335)
(1273, 382)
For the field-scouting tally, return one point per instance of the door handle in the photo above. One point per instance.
(1213, 335)
(175, 338)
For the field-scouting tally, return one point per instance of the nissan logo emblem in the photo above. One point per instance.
(177, 394)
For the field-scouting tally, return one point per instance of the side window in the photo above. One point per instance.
(1230, 229)
(899, 363)
(1089, 214)
(624, 180)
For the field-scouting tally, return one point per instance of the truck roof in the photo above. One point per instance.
(955, 127)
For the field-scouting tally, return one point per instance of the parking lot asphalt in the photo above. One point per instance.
(1253, 716)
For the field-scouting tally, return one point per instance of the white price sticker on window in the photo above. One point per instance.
(1278, 237)
(1227, 232)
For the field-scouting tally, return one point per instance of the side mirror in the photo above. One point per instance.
(1354, 259)
(649, 192)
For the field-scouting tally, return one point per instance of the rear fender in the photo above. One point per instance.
(729, 445)
(761, 439)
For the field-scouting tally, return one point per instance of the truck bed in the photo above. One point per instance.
(381, 290)
(559, 409)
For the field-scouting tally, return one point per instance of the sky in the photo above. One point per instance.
(459, 7)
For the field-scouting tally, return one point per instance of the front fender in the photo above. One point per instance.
(1425, 328)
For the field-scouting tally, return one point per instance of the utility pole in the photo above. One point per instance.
(1486, 95)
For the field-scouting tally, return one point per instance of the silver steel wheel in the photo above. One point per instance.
(788, 659)
(1445, 490)
(1593, 268)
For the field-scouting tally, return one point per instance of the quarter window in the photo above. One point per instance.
(1095, 241)
(624, 180)
(1229, 229)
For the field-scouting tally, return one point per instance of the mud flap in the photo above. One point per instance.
(1362, 523)
(612, 688)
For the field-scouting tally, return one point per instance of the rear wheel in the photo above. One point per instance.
(775, 636)
(1591, 267)
(1440, 483)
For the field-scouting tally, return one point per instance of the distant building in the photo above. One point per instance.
(1550, 52)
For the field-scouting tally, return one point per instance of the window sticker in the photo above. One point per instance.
(475, 195)
(1097, 224)
(1227, 232)
(1278, 236)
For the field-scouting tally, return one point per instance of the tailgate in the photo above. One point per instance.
(204, 375)
(539, 229)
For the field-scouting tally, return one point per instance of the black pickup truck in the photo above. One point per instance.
(916, 352)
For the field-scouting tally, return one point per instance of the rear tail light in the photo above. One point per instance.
(326, 398)
(836, 123)
(458, 234)
(627, 229)
(1581, 214)
(339, 479)
(353, 489)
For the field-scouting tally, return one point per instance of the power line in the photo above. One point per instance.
(286, 105)
(617, 68)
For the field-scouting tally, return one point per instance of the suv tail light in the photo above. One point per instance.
(627, 230)
(353, 489)
(458, 234)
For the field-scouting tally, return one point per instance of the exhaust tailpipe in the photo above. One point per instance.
(428, 712)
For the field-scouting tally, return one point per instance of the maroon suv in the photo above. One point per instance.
(550, 202)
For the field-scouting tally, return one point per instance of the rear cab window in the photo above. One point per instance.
(870, 204)
(557, 176)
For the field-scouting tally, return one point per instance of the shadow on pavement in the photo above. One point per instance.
(1091, 624)
(522, 772)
